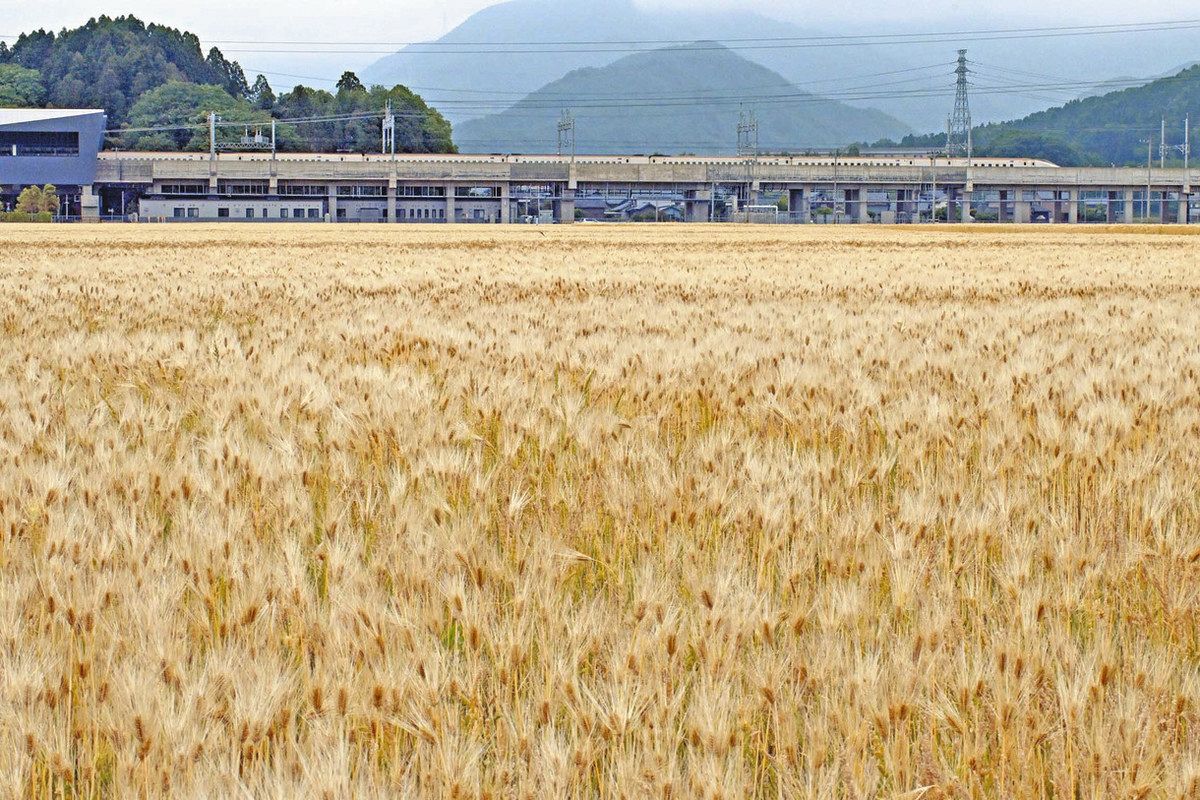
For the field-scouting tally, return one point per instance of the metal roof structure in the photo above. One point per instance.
(49, 145)
(18, 116)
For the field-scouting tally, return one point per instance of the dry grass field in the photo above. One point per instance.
(651, 512)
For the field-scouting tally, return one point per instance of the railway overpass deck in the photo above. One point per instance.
(503, 188)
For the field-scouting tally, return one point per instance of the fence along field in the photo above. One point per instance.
(602, 512)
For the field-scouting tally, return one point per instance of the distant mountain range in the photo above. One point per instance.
(474, 70)
(486, 63)
(682, 99)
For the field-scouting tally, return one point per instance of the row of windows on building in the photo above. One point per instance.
(263, 189)
(181, 212)
(223, 212)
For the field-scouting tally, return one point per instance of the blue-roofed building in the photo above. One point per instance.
(51, 145)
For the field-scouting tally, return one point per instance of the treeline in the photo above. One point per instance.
(1095, 131)
(152, 76)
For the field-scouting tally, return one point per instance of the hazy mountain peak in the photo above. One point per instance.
(686, 98)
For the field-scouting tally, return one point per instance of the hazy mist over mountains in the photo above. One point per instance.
(517, 64)
(650, 101)
(1016, 77)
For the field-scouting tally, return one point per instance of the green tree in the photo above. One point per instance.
(229, 74)
(261, 94)
(349, 83)
(187, 106)
(419, 128)
(109, 62)
(35, 200)
(21, 87)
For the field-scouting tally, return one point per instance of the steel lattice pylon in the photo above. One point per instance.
(958, 128)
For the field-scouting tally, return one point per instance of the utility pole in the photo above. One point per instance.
(1185, 196)
(838, 205)
(933, 197)
(566, 133)
(1162, 146)
(1149, 173)
(389, 131)
(212, 134)
(273, 150)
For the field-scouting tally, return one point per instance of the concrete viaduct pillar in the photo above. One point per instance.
(333, 203)
(914, 205)
(856, 204)
(1022, 208)
(451, 204)
(505, 203)
(89, 204)
(1073, 206)
(564, 207)
(391, 200)
(697, 205)
(799, 204)
(1127, 203)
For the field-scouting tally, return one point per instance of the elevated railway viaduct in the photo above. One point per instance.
(511, 188)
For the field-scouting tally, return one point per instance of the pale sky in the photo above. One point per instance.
(416, 20)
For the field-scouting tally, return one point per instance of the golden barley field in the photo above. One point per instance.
(599, 512)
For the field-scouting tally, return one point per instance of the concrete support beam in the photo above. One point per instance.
(1022, 208)
(505, 204)
(856, 205)
(451, 205)
(1127, 210)
(564, 208)
(89, 204)
(1073, 206)
(333, 203)
(698, 206)
(798, 204)
(967, 217)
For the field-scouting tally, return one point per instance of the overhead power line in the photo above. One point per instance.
(267, 121)
(747, 43)
(767, 41)
(571, 95)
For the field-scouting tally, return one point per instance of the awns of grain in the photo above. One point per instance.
(620, 513)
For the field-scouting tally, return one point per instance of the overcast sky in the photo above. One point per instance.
(416, 20)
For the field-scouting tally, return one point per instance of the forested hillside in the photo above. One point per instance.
(672, 100)
(1108, 129)
(147, 75)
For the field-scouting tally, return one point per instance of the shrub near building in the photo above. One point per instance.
(34, 204)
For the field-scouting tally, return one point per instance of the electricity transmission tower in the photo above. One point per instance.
(566, 133)
(747, 132)
(747, 148)
(958, 127)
